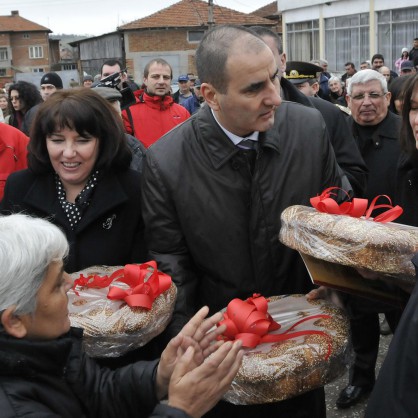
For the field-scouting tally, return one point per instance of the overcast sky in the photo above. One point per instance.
(96, 17)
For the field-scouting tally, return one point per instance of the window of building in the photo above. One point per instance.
(346, 40)
(303, 40)
(2, 72)
(396, 29)
(4, 56)
(69, 67)
(36, 52)
(26, 36)
(37, 70)
(195, 35)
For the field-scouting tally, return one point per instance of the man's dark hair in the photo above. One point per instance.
(84, 111)
(378, 56)
(110, 63)
(415, 39)
(214, 49)
(157, 61)
(351, 64)
(263, 31)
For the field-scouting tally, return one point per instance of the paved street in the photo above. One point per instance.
(332, 391)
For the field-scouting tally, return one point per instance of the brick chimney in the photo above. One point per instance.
(15, 12)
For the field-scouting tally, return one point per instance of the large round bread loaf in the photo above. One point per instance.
(111, 327)
(357, 242)
(272, 372)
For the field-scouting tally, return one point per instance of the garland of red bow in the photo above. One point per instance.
(145, 283)
(250, 322)
(356, 207)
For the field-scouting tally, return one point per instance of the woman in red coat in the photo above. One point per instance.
(13, 151)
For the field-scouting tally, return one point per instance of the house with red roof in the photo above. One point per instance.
(24, 47)
(271, 12)
(174, 33)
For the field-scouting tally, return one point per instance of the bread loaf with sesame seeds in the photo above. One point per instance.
(384, 248)
(111, 327)
(272, 372)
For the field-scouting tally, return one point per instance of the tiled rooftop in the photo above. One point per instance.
(16, 23)
(267, 10)
(193, 13)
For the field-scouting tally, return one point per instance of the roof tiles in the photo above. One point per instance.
(193, 13)
(16, 23)
(267, 10)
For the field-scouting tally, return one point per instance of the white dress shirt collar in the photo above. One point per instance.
(235, 138)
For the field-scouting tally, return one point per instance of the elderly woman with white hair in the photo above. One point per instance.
(43, 369)
(337, 91)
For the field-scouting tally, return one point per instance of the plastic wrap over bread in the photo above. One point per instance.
(314, 351)
(385, 248)
(120, 312)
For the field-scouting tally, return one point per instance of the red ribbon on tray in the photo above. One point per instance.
(250, 322)
(145, 283)
(356, 207)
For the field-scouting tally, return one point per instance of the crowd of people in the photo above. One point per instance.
(112, 172)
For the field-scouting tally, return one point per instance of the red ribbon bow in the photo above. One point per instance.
(145, 283)
(356, 207)
(250, 322)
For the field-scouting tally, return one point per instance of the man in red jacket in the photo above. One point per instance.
(154, 112)
(13, 144)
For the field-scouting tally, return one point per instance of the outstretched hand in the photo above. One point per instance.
(196, 390)
(194, 334)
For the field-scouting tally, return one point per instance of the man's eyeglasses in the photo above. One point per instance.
(371, 96)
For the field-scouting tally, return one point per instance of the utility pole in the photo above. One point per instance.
(211, 22)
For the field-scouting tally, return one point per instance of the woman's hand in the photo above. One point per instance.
(196, 390)
(194, 334)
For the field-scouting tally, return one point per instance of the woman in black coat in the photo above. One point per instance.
(407, 171)
(79, 178)
(396, 390)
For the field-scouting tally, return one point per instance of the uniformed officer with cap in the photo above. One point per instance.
(304, 75)
(346, 151)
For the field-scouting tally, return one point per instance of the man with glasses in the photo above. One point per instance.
(376, 131)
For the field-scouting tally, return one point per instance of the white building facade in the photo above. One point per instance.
(348, 30)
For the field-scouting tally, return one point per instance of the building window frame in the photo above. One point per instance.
(195, 36)
(395, 30)
(36, 52)
(347, 39)
(67, 67)
(3, 72)
(4, 54)
(303, 40)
